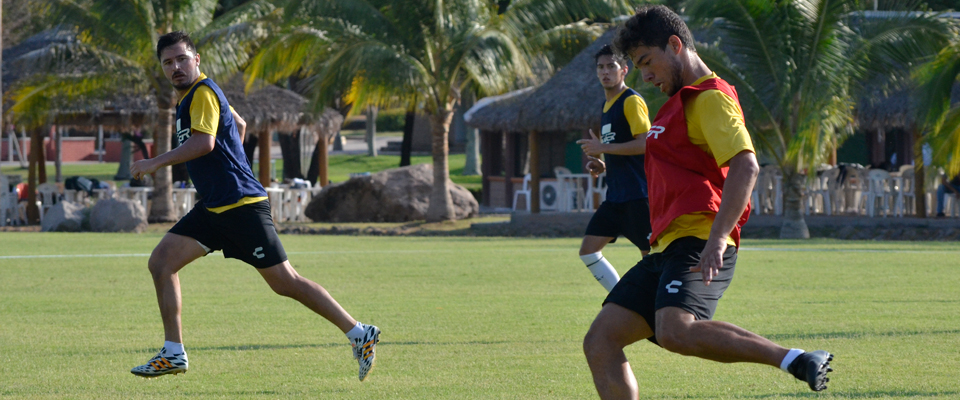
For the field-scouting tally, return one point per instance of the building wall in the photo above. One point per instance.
(78, 149)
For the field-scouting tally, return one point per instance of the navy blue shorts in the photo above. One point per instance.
(630, 219)
(246, 233)
(664, 280)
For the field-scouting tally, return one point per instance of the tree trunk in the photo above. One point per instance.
(41, 157)
(919, 175)
(441, 204)
(161, 208)
(794, 226)
(407, 145)
(371, 126)
(265, 137)
(36, 151)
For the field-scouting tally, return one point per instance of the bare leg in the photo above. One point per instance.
(679, 331)
(592, 244)
(173, 253)
(285, 281)
(613, 329)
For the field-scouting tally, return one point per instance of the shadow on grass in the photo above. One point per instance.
(875, 394)
(254, 347)
(856, 335)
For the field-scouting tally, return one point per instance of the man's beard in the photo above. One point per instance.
(677, 78)
(184, 86)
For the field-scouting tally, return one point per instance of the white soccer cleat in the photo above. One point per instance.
(364, 349)
(165, 362)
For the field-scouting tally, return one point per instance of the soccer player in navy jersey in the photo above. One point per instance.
(623, 129)
(233, 214)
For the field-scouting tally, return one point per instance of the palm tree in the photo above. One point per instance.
(940, 120)
(115, 52)
(423, 54)
(797, 65)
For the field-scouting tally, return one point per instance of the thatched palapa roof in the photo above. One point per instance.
(570, 100)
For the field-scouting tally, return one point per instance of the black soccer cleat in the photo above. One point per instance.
(812, 368)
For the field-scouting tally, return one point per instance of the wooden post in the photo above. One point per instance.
(58, 156)
(534, 173)
(510, 166)
(100, 143)
(264, 143)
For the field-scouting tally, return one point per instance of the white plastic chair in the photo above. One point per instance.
(525, 191)
(854, 189)
(49, 195)
(597, 188)
(906, 201)
(8, 203)
(879, 188)
(572, 193)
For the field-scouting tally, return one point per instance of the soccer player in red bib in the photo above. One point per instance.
(233, 214)
(698, 152)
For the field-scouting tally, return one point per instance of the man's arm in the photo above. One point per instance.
(241, 124)
(594, 147)
(736, 195)
(198, 145)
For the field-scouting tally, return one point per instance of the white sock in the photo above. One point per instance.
(173, 347)
(356, 332)
(791, 355)
(601, 269)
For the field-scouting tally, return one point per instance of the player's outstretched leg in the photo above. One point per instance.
(812, 368)
(285, 281)
(165, 362)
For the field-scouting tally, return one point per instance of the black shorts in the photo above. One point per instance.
(664, 280)
(630, 219)
(246, 233)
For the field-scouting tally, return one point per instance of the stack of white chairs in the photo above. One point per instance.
(880, 191)
(8, 203)
(49, 194)
(767, 194)
(854, 187)
(906, 200)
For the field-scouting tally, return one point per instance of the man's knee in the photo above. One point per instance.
(599, 342)
(160, 261)
(282, 280)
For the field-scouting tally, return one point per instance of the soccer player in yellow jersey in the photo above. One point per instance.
(700, 168)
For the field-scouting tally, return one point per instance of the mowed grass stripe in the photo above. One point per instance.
(462, 318)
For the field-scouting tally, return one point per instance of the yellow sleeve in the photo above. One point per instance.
(205, 111)
(635, 109)
(722, 125)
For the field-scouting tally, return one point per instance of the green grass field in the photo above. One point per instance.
(341, 166)
(462, 318)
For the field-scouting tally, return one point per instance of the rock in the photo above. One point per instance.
(65, 216)
(118, 215)
(395, 195)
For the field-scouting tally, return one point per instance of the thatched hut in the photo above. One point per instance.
(535, 131)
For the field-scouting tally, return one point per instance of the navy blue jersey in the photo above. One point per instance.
(222, 177)
(626, 179)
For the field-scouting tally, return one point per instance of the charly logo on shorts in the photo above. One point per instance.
(258, 252)
(671, 288)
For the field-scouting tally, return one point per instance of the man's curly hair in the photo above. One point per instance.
(652, 25)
